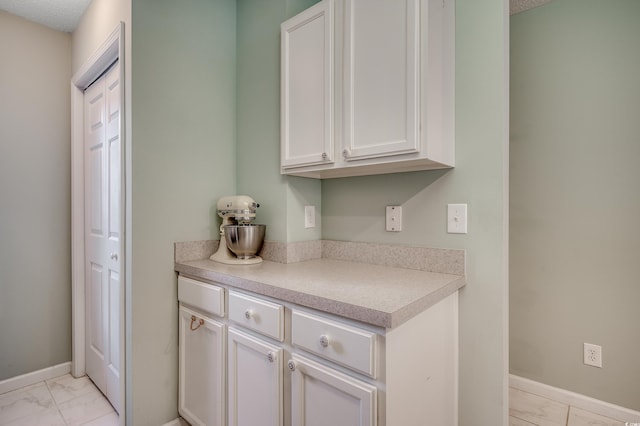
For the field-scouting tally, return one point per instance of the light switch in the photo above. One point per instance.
(457, 218)
(394, 218)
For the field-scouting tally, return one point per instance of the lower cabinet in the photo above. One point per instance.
(271, 363)
(255, 381)
(322, 396)
(202, 369)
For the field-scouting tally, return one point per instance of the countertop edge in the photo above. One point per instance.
(347, 310)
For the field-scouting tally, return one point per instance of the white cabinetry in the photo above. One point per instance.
(387, 103)
(285, 365)
(307, 87)
(323, 396)
(255, 381)
(202, 369)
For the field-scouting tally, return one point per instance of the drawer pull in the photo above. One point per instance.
(193, 320)
(271, 357)
(291, 365)
(248, 313)
(324, 341)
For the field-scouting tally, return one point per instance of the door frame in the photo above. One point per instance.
(112, 49)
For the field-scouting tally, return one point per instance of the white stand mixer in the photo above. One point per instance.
(236, 210)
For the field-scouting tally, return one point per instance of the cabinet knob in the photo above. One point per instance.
(346, 153)
(324, 155)
(271, 357)
(248, 313)
(114, 256)
(324, 341)
(291, 365)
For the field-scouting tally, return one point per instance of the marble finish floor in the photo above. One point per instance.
(65, 401)
(527, 409)
(62, 401)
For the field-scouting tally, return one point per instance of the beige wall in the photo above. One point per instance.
(575, 196)
(98, 21)
(35, 242)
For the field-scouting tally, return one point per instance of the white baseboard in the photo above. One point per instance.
(23, 380)
(574, 399)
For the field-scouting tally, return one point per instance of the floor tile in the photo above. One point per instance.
(85, 408)
(578, 417)
(24, 402)
(67, 387)
(536, 409)
(48, 417)
(514, 421)
(111, 419)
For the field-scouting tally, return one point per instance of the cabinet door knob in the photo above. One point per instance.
(324, 155)
(193, 320)
(324, 341)
(248, 313)
(271, 357)
(346, 153)
(291, 365)
(114, 256)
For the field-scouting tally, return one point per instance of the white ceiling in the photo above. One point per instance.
(64, 15)
(61, 15)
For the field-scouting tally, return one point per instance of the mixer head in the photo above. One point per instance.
(238, 208)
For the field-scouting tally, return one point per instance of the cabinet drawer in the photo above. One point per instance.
(208, 297)
(338, 342)
(256, 314)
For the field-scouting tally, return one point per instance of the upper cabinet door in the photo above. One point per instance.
(307, 87)
(381, 78)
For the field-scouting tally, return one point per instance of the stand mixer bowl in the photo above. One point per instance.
(245, 241)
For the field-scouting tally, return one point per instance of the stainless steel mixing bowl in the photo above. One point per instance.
(245, 241)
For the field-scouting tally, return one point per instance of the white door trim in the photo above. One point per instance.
(112, 49)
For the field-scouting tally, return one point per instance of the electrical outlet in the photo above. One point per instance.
(593, 355)
(309, 216)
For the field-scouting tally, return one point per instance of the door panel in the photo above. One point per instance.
(255, 381)
(381, 78)
(202, 390)
(103, 232)
(323, 396)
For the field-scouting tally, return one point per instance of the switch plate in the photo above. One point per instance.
(309, 216)
(394, 219)
(457, 218)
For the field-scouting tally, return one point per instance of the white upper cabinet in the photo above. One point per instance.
(381, 70)
(307, 87)
(390, 81)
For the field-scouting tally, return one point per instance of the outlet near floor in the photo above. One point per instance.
(593, 355)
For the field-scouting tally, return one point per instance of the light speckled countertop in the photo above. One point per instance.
(379, 295)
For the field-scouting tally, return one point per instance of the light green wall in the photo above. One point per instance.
(281, 198)
(183, 160)
(575, 199)
(354, 208)
(35, 197)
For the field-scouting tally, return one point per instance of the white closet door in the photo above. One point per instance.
(102, 157)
